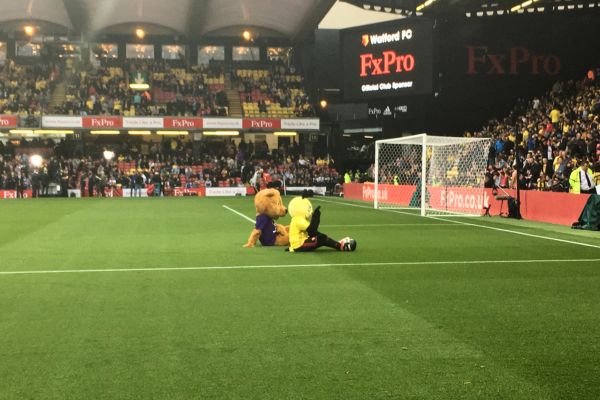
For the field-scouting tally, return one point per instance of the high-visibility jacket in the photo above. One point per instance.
(575, 181)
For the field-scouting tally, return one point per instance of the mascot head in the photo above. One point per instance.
(300, 207)
(268, 202)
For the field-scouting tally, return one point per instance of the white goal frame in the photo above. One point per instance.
(481, 146)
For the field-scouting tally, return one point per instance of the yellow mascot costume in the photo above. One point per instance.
(304, 233)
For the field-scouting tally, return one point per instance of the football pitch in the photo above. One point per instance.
(157, 299)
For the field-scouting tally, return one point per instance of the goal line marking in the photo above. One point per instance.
(469, 224)
(282, 266)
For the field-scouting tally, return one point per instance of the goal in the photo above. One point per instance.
(437, 175)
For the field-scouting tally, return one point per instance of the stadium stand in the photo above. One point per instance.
(166, 166)
(272, 92)
(176, 91)
(25, 89)
(553, 134)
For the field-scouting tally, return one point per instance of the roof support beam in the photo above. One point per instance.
(78, 14)
(197, 18)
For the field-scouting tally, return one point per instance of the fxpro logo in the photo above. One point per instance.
(368, 193)
(383, 38)
(387, 111)
(471, 200)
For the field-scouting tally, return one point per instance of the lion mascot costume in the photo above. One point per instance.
(269, 207)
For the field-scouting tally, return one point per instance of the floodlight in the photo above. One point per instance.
(29, 30)
(36, 161)
(108, 155)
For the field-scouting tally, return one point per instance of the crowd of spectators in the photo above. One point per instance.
(26, 90)
(176, 91)
(175, 88)
(163, 166)
(274, 91)
(551, 136)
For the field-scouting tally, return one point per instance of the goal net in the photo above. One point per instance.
(437, 175)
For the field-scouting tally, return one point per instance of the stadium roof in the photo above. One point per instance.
(194, 18)
(433, 8)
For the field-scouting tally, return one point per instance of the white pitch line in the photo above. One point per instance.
(343, 226)
(413, 214)
(240, 267)
(240, 214)
(474, 225)
(518, 233)
(382, 225)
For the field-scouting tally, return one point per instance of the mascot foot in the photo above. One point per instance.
(347, 244)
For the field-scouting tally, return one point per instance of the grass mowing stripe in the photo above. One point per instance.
(471, 224)
(222, 267)
(239, 213)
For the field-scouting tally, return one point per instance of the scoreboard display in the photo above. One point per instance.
(388, 60)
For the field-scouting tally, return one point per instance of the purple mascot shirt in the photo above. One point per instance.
(267, 229)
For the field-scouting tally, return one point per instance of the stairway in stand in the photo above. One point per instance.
(233, 97)
(59, 94)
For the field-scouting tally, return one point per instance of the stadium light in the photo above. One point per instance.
(140, 33)
(29, 30)
(105, 132)
(247, 35)
(139, 86)
(53, 132)
(427, 3)
(139, 132)
(108, 155)
(323, 103)
(36, 161)
(21, 131)
(523, 5)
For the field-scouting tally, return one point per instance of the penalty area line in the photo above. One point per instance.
(283, 266)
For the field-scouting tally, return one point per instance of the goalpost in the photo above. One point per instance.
(436, 175)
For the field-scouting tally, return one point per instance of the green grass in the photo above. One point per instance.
(404, 317)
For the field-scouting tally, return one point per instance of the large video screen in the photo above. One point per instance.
(388, 60)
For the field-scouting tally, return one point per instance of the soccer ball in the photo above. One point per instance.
(348, 244)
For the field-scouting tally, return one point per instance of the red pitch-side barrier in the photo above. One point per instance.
(556, 208)
(12, 194)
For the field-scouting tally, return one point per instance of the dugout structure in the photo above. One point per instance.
(437, 175)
